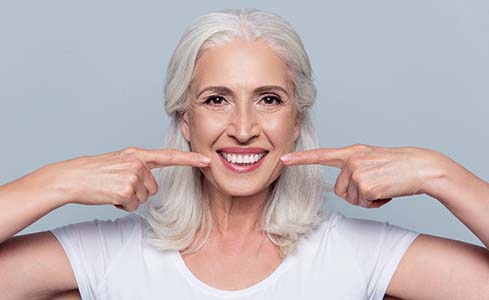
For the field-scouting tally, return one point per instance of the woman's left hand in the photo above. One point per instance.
(371, 176)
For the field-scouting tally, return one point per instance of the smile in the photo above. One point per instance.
(241, 160)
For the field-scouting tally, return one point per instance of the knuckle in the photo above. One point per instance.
(143, 193)
(361, 150)
(169, 153)
(130, 150)
(369, 192)
(132, 179)
(145, 199)
(129, 153)
(360, 147)
(133, 205)
(136, 165)
(356, 155)
(356, 177)
(351, 165)
(363, 187)
(127, 192)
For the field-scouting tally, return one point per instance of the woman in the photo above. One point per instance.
(240, 193)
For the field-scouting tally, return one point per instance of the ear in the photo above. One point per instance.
(184, 125)
(297, 125)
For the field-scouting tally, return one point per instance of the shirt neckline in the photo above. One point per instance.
(196, 282)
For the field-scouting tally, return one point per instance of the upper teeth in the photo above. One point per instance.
(238, 158)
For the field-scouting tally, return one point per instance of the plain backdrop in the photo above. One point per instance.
(86, 77)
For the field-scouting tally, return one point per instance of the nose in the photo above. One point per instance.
(244, 125)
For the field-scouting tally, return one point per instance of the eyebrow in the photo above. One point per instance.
(227, 91)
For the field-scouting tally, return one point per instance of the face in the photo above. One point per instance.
(242, 115)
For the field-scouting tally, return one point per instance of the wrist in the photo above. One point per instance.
(436, 180)
(44, 185)
(451, 182)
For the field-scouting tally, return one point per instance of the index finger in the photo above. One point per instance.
(333, 157)
(157, 158)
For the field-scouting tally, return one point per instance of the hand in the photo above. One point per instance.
(371, 176)
(122, 178)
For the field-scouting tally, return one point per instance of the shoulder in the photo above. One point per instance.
(356, 230)
(124, 223)
(109, 232)
(366, 251)
(94, 247)
(363, 241)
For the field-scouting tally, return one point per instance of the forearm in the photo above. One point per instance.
(24, 201)
(465, 195)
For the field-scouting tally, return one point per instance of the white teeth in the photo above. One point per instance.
(242, 159)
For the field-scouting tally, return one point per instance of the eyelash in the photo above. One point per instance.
(209, 99)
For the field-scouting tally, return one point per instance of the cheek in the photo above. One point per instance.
(204, 130)
(280, 131)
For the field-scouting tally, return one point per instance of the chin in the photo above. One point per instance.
(243, 190)
(238, 188)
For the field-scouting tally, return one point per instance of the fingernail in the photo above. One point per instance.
(286, 158)
(204, 160)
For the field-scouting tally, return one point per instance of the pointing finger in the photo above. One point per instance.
(156, 158)
(333, 157)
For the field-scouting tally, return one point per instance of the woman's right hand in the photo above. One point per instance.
(121, 178)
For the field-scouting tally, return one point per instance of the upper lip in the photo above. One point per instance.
(242, 150)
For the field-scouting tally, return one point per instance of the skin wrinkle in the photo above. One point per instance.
(244, 71)
(247, 70)
(224, 90)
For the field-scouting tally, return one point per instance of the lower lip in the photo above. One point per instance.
(242, 169)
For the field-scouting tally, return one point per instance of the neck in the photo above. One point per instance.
(238, 214)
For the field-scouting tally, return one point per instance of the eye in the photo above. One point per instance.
(271, 100)
(214, 100)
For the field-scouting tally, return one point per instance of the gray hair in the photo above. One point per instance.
(294, 207)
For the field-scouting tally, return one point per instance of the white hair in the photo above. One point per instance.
(294, 207)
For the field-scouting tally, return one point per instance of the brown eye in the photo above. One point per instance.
(214, 100)
(271, 100)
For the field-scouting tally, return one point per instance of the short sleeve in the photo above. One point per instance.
(379, 248)
(93, 246)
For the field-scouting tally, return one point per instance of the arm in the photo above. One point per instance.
(432, 267)
(438, 268)
(24, 201)
(35, 266)
(122, 178)
(464, 194)
(37, 259)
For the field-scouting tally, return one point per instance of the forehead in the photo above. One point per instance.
(241, 65)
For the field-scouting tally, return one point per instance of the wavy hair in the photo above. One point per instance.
(182, 208)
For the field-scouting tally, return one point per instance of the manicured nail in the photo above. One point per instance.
(204, 160)
(286, 158)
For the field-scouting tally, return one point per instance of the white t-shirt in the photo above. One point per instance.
(344, 258)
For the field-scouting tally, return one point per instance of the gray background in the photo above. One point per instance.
(86, 77)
